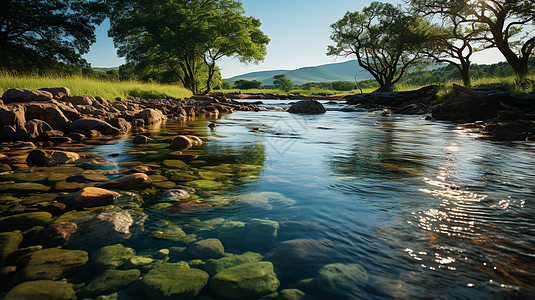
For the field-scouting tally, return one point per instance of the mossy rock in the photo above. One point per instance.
(53, 264)
(174, 281)
(342, 280)
(109, 281)
(251, 280)
(41, 289)
(173, 233)
(174, 163)
(214, 266)
(110, 257)
(205, 184)
(25, 221)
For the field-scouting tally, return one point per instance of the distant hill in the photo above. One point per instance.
(106, 69)
(344, 71)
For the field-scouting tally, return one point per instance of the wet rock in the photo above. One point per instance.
(87, 124)
(251, 280)
(53, 264)
(206, 249)
(174, 281)
(37, 127)
(214, 266)
(13, 115)
(188, 206)
(111, 257)
(110, 224)
(49, 113)
(181, 142)
(121, 124)
(57, 234)
(174, 163)
(9, 243)
(91, 197)
(342, 280)
(151, 116)
(291, 294)
(42, 289)
(108, 282)
(22, 95)
(205, 184)
(49, 158)
(79, 99)
(231, 230)
(173, 233)
(262, 230)
(134, 181)
(196, 141)
(25, 221)
(24, 186)
(140, 140)
(307, 107)
(299, 254)
(137, 262)
(175, 195)
(75, 136)
(57, 92)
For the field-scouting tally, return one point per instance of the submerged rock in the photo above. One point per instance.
(9, 243)
(206, 249)
(250, 280)
(341, 280)
(307, 107)
(181, 142)
(174, 281)
(175, 195)
(214, 266)
(25, 221)
(53, 264)
(111, 257)
(110, 224)
(42, 289)
(56, 234)
(187, 206)
(300, 255)
(109, 281)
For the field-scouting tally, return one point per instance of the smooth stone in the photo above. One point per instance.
(151, 116)
(299, 254)
(231, 230)
(24, 186)
(206, 249)
(174, 281)
(291, 294)
(205, 184)
(129, 182)
(307, 107)
(161, 254)
(181, 142)
(87, 124)
(91, 197)
(158, 178)
(214, 266)
(137, 262)
(27, 177)
(56, 234)
(42, 289)
(140, 140)
(69, 186)
(53, 264)
(110, 257)
(259, 229)
(250, 280)
(95, 177)
(9, 243)
(23, 95)
(109, 281)
(164, 184)
(174, 163)
(170, 233)
(196, 141)
(187, 206)
(40, 157)
(25, 221)
(343, 280)
(110, 224)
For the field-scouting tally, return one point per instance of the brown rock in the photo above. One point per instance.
(22, 95)
(83, 125)
(57, 234)
(188, 206)
(47, 112)
(50, 157)
(36, 127)
(25, 221)
(79, 99)
(196, 141)
(307, 107)
(13, 115)
(91, 197)
(140, 140)
(182, 142)
(151, 116)
(129, 182)
(58, 92)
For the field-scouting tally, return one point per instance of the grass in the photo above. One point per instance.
(80, 85)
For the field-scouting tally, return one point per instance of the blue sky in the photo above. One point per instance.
(299, 32)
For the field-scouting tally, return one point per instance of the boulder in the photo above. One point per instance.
(13, 116)
(187, 206)
(53, 264)
(174, 281)
(174, 195)
(300, 255)
(250, 280)
(42, 289)
(25, 221)
(91, 197)
(121, 124)
(87, 124)
(37, 127)
(291, 294)
(206, 249)
(56, 234)
(108, 282)
(79, 99)
(49, 113)
(140, 140)
(196, 141)
(22, 95)
(70, 112)
(111, 257)
(129, 182)
(9, 243)
(342, 280)
(181, 142)
(58, 92)
(214, 266)
(150, 116)
(108, 225)
(49, 158)
(307, 107)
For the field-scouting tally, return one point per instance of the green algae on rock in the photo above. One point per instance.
(41, 289)
(109, 281)
(342, 279)
(214, 266)
(52, 264)
(174, 281)
(112, 256)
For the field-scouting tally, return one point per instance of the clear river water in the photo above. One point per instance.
(429, 210)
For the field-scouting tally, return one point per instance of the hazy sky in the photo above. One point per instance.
(299, 31)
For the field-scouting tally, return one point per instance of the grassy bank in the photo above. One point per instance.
(81, 85)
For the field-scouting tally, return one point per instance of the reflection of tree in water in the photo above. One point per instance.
(383, 152)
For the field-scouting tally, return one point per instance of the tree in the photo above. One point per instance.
(282, 82)
(243, 84)
(36, 34)
(186, 37)
(385, 40)
(502, 22)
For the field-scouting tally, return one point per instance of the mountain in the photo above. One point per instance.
(344, 71)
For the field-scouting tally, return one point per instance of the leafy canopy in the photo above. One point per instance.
(282, 82)
(35, 34)
(186, 38)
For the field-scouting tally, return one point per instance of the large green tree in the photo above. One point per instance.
(282, 82)
(35, 34)
(386, 41)
(186, 37)
(504, 24)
